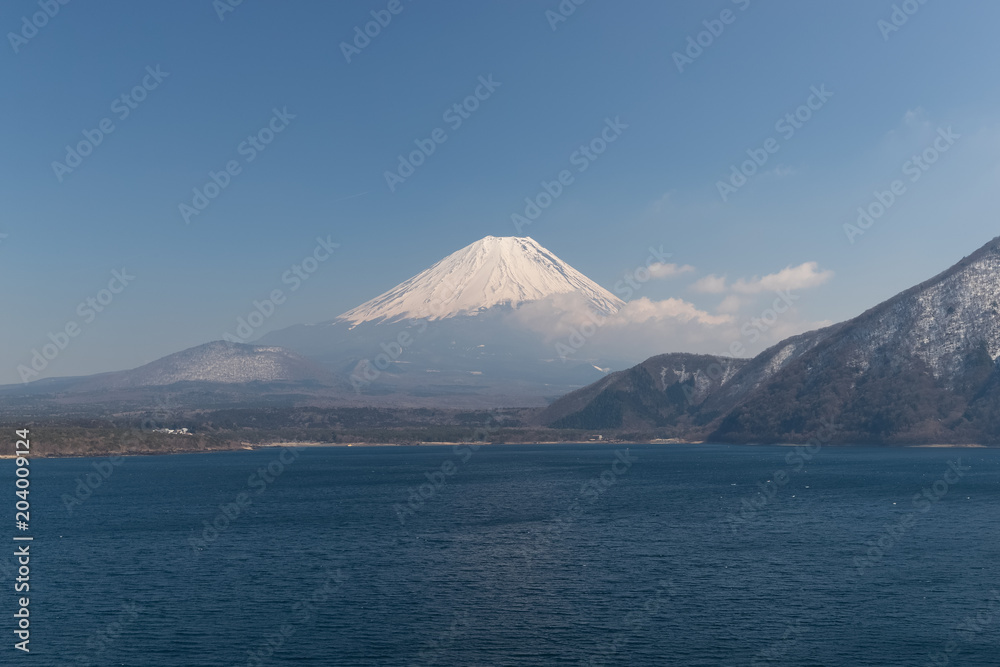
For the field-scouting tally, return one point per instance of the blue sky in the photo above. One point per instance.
(323, 173)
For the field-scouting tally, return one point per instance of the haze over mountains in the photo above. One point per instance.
(458, 328)
(459, 333)
(474, 330)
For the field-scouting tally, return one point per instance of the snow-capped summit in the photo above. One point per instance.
(494, 271)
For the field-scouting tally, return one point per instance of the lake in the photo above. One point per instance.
(592, 554)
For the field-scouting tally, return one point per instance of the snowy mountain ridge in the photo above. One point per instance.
(920, 367)
(942, 319)
(494, 271)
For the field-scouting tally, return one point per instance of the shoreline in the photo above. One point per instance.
(246, 447)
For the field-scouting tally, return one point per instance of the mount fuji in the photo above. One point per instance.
(456, 335)
(458, 329)
(492, 272)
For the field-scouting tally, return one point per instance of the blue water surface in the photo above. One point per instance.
(591, 554)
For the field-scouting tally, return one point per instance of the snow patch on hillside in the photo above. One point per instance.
(218, 362)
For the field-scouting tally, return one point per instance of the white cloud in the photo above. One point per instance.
(803, 276)
(645, 327)
(660, 205)
(731, 304)
(710, 284)
(645, 309)
(916, 119)
(660, 270)
(781, 171)
(558, 313)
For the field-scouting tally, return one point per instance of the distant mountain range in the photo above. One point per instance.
(918, 368)
(211, 375)
(451, 335)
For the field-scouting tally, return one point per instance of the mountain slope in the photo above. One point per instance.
(216, 362)
(215, 374)
(919, 367)
(664, 390)
(494, 271)
(454, 328)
